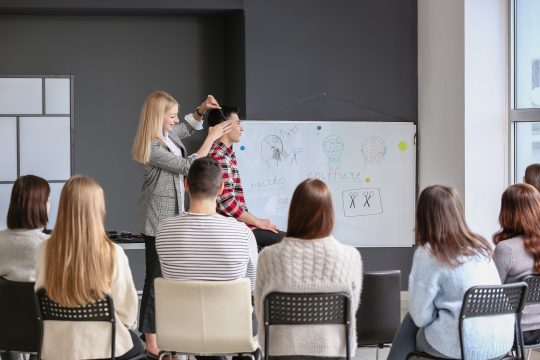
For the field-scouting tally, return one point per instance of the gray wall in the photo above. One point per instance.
(363, 52)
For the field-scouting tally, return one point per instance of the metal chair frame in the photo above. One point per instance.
(491, 300)
(533, 297)
(306, 309)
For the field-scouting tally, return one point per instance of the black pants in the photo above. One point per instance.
(266, 237)
(147, 314)
(531, 337)
(137, 349)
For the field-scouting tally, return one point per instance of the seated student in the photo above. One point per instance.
(201, 244)
(231, 201)
(532, 175)
(448, 260)
(518, 247)
(79, 265)
(309, 259)
(27, 216)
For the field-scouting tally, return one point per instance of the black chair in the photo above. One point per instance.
(101, 310)
(533, 297)
(306, 309)
(483, 301)
(19, 327)
(378, 316)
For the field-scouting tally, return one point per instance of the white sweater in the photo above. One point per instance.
(63, 340)
(320, 265)
(18, 253)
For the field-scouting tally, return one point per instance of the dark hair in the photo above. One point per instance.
(204, 178)
(440, 222)
(215, 116)
(520, 215)
(28, 204)
(532, 175)
(311, 214)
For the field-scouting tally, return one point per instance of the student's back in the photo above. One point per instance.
(27, 216)
(448, 260)
(517, 251)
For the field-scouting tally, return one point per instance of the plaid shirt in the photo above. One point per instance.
(231, 202)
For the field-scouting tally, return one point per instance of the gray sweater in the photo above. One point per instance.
(513, 262)
(320, 265)
(18, 253)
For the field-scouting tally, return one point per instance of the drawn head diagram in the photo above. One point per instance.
(373, 149)
(333, 148)
(272, 149)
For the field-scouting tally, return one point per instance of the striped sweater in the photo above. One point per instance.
(206, 247)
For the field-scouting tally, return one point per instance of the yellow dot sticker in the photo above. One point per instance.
(368, 179)
(403, 145)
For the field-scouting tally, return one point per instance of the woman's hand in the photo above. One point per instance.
(215, 132)
(208, 104)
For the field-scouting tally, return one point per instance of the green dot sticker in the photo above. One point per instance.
(403, 145)
(319, 127)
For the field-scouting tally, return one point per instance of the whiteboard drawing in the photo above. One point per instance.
(272, 150)
(333, 148)
(362, 202)
(296, 151)
(373, 149)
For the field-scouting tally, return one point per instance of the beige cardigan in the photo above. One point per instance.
(92, 340)
(320, 265)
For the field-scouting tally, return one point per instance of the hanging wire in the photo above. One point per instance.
(334, 97)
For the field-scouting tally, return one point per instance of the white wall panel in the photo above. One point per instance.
(8, 149)
(57, 96)
(21, 96)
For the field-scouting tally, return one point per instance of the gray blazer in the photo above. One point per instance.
(161, 196)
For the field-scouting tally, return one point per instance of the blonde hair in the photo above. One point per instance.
(156, 105)
(80, 257)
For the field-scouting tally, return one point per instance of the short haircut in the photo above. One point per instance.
(311, 213)
(215, 116)
(28, 204)
(204, 178)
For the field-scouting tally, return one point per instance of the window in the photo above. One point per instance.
(525, 84)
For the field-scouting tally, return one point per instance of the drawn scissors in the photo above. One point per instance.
(367, 196)
(353, 196)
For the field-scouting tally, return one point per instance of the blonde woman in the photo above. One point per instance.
(158, 147)
(79, 265)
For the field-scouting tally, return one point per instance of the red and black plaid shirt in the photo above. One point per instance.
(231, 202)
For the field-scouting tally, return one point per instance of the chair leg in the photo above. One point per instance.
(377, 353)
(528, 353)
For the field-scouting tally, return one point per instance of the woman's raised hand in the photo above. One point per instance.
(209, 103)
(215, 132)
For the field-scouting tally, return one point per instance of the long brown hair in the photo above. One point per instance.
(80, 257)
(532, 175)
(440, 222)
(156, 105)
(28, 204)
(311, 214)
(520, 216)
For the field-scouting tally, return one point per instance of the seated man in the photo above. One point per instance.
(231, 201)
(201, 244)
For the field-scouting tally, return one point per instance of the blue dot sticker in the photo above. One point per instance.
(319, 127)
(242, 148)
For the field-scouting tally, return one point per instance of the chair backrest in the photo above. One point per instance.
(306, 309)
(533, 288)
(19, 327)
(378, 316)
(204, 317)
(493, 300)
(101, 310)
